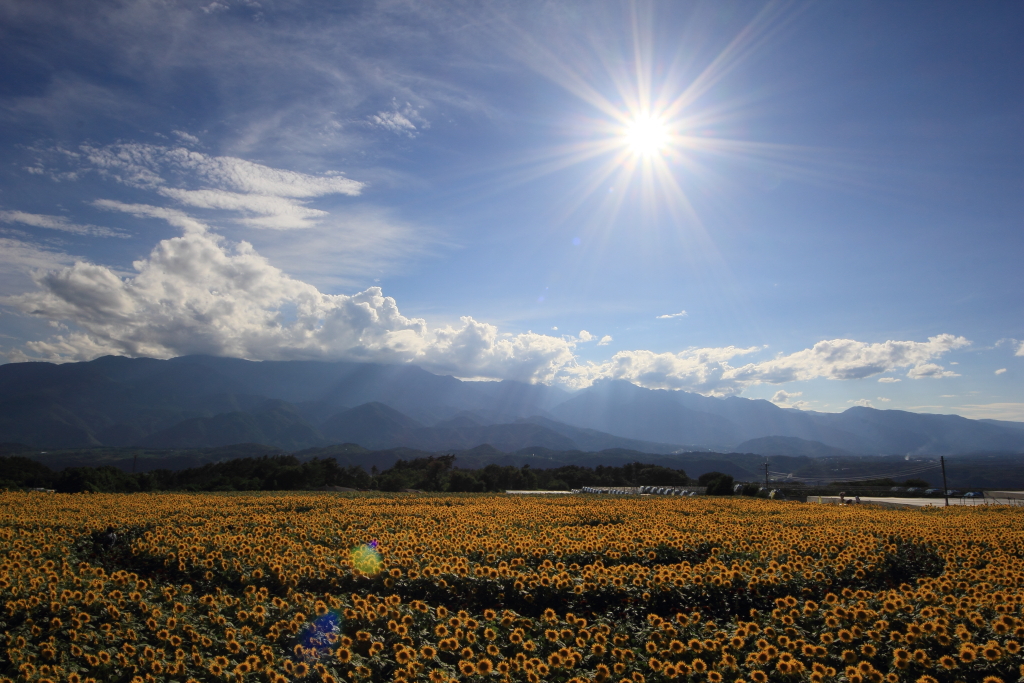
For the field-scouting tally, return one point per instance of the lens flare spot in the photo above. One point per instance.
(366, 558)
(316, 638)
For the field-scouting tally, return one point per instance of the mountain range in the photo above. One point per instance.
(202, 401)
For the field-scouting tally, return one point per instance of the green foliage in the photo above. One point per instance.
(750, 490)
(708, 477)
(439, 474)
(276, 473)
(722, 486)
(288, 473)
(22, 472)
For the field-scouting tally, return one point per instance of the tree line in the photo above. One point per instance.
(288, 473)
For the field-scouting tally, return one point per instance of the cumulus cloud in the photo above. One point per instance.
(888, 380)
(784, 399)
(702, 370)
(710, 370)
(850, 359)
(862, 402)
(1020, 349)
(667, 316)
(58, 223)
(605, 340)
(929, 370)
(1000, 371)
(199, 294)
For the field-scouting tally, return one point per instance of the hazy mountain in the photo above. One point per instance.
(371, 425)
(276, 423)
(1004, 423)
(623, 409)
(899, 431)
(594, 440)
(790, 445)
(200, 401)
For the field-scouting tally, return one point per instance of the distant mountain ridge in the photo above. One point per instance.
(202, 401)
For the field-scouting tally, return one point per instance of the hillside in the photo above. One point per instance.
(201, 402)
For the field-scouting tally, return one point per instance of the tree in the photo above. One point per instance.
(722, 486)
(708, 477)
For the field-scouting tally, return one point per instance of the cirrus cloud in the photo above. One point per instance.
(61, 223)
(266, 197)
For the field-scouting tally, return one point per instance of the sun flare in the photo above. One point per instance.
(647, 136)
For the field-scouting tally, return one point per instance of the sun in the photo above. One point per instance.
(647, 136)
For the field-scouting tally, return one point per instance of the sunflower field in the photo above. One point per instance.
(409, 587)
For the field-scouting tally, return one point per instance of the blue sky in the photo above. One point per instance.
(818, 204)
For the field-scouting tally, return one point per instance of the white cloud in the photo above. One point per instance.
(783, 399)
(884, 399)
(198, 294)
(709, 370)
(58, 223)
(20, 256)
(667, 316)
(178, 219)
(334, 247)
(702, 370)
(400, 120)
(393, 121)
(888, 380)
(929, 370)
(20, 260)
(266, 197)
(1012, 342)
(605, 340)
(148, 166)
(186, 137)
(993, 411)
(850, 359)
(862, 402)
(1000, 371)
(274, 212)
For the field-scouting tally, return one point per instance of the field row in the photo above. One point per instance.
(406, 587)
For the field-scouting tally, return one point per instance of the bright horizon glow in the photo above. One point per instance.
(647, 135)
